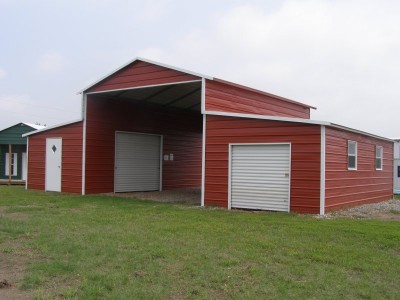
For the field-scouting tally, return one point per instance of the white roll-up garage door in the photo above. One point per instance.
(260, 176)
(137, 162)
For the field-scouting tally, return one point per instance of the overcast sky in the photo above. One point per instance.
(342, 56)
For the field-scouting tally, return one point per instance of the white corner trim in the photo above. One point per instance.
(203, 96)
(84, 114)
(230, 176)
(322, 172)
(150, 62)
(27, 162)
(203, 161)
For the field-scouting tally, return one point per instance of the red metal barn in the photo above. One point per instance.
(149, 126)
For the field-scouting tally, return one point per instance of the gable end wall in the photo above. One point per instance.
(141, 73)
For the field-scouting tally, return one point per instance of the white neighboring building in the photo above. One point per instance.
(396, 163)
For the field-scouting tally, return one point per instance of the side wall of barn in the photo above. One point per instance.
(346, 188)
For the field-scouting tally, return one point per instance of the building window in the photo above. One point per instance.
(379, 158)
(352, 155)
(14, 161)
(398, 171)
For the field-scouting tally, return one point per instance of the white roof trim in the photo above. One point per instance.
(34, 126)
(51, 127)
(360, 132)
(150, 62)
(37, 127)
(294, 120)
(143, 87)
(262, 117)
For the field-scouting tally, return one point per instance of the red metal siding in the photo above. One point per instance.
(221, 96)
(346, 188)
(141, 73)
(71, 158)
(305, 165)
(182, 136)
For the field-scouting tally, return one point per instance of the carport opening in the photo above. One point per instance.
(172, 112)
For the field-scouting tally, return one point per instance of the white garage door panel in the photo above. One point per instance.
(137, 162)
(260, 176)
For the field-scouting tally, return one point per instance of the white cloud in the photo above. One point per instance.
(341, 56)
(52, 62)
(2, 73)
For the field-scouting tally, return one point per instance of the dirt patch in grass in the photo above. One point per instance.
(387, 210)
(189, 196)
(18, 215)
(12, 271)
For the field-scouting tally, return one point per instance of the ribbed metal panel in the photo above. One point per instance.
(260, 177)
(345, 188)
(137, 162)
(71, 135)
(228, 97)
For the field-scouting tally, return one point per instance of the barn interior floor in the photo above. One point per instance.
(189, 195)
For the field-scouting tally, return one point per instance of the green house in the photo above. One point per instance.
(13, 136)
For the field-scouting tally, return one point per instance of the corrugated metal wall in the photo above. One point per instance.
(182, 137)
(345, 188)
(141, 74)
(305, 164)
(71, 158)
(229, 98)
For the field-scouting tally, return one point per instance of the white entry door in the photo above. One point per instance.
(24, 165)
(53, 164)
(260, 176)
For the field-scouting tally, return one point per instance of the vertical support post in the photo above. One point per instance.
(9, 163)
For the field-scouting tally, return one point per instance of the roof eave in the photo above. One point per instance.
(296, 120)
(51, 127)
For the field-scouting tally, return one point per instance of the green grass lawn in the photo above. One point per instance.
(114, 248)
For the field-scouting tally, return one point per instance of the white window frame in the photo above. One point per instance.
(14, 164)
(354, 155)
(376, 158)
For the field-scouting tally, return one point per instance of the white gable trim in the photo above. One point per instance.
(51, 127)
